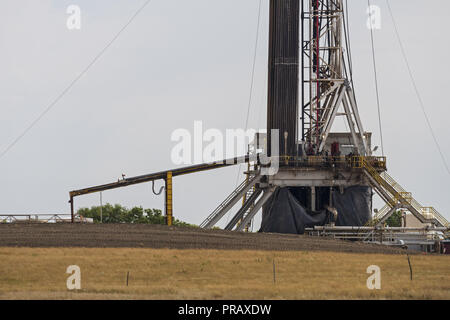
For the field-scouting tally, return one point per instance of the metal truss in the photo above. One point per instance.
(325, 85)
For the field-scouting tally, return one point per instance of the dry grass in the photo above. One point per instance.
(38, 273)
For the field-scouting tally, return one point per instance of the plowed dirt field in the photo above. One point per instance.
(152, 236)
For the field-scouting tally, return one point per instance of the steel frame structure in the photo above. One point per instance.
(326, 86)
(325, 83)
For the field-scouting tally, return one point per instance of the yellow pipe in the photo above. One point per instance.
(169, 199)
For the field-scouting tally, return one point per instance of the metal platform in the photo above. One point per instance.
(425, 239)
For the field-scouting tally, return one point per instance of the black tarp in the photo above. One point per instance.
(354, 205)
(284, 213)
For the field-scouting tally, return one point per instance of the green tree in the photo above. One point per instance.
(111, 214)
(154, 216)
(395, 220)
(120, 214)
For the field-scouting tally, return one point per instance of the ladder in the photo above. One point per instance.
(267, 194)
(248, 204)
(231, 200)
(396, 197)
(247, 196)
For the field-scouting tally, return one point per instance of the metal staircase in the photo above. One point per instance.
(396, 197)
(248, 204)
(231, 200)
(267, 193)
(251, 205)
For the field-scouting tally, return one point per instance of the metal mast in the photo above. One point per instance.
(283, 75)
(326, 86)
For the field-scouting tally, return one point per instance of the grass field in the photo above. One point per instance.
(39, 273)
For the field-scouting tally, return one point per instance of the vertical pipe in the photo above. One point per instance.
(169, 199)
(71, 209)
(311, 67)
(331, 197)
(317, 72)
(303, 69)
(283, 64)
(101, 208)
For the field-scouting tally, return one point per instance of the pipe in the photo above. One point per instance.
(71, 209)
(169, 199)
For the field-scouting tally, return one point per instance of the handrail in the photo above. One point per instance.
(224, 203)
(399, 195)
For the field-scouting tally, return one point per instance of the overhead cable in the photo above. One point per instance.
(416, 89)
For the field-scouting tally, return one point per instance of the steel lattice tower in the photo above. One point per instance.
(325, 83)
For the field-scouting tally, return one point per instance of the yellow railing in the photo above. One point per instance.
(399, 195)
(396, 196)
(382, 212)
(407, 196)
(375, 162)
(318, 160)
(430, 211)
(355, 162)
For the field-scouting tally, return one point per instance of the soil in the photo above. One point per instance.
(157, 236)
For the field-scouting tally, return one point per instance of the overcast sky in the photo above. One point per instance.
(181, 61)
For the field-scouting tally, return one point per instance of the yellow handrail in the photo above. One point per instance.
(399, 195)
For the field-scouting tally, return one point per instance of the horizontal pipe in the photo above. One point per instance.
(160, 176)
(350, 228)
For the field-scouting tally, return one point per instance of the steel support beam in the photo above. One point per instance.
(229, 202)
(258, 205)
(240, 214)
(169, 199)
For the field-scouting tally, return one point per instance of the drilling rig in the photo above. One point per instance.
(323, 177)
(320, 178)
